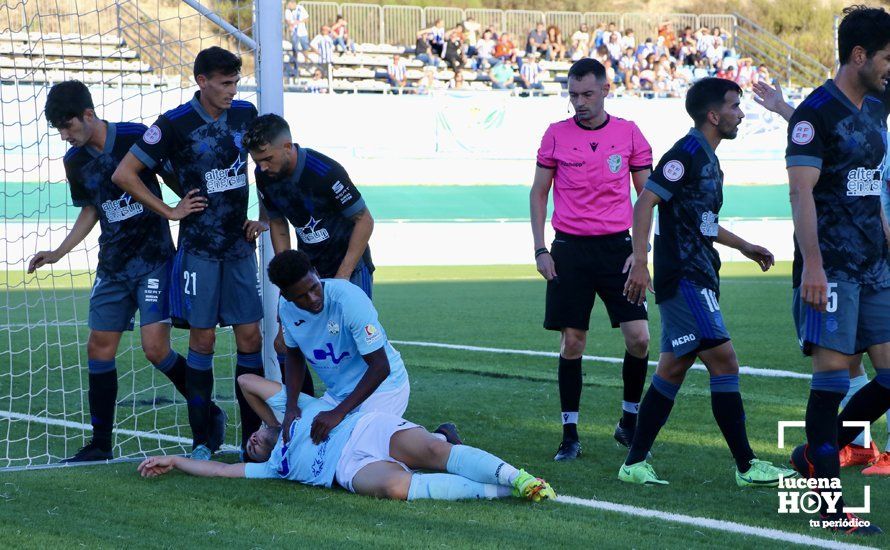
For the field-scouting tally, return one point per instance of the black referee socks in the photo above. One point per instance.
(570, 380)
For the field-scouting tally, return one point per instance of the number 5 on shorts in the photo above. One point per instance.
(190, 277)
(831, 307)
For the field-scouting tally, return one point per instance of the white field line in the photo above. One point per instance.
(770, 373)
(708, 523)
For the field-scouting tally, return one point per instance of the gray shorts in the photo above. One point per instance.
(207, 293)
(857, 316)
(113, 304)
(691, 321)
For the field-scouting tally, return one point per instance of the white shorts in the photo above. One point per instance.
(392, 402)
(369, 443)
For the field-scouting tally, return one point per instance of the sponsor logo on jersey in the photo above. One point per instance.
(709, 226)
(118, 210)
(329, 353)
(673, 170)
(614, 163)
(333, 327)
(863, 182)
(803, 133)
(571, 164)
(154, 284)
(682, 340)
(226, 179)
(152, 135)
(372, 334)
(341, 192)
(310, 235)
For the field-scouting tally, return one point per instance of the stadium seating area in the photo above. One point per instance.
(52, 57)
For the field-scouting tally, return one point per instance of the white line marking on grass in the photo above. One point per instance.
(708, 523)
(770, 373)
(77, 425)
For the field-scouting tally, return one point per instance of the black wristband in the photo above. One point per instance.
(540, 251)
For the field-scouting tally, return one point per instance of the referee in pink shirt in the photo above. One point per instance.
(589, 160)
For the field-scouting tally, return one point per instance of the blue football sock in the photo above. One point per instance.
(479, 465)
(452, 487)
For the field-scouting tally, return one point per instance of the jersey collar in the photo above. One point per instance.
(712, 156)
(110, 134)
(600, 127)
(195, 102)
(301, 163)
(832, 89)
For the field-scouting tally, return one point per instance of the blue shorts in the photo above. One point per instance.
(857, 317)
(363, 278)
(206, 293)
(691, 321)
(113, 304)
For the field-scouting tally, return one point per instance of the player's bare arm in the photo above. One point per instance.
(813, 284)
(538, 205)
(279, 232)
(378, 370)
(155, 466)
(295, 371)
(127, 178)
(358, 242)
(638, 279)
(772, 99)
(84, 223)
(761, 256)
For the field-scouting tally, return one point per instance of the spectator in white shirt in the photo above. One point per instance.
(323, 45)
(397, 72)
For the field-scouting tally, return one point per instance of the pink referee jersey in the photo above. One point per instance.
(591, 184)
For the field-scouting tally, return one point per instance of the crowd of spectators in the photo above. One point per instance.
(656, 66)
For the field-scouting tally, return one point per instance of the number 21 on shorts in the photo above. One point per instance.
(191, 278)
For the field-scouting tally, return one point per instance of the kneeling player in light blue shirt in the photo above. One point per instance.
(369, 453)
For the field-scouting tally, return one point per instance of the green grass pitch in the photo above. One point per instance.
(507, 404)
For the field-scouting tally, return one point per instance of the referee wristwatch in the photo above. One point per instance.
(542, 250)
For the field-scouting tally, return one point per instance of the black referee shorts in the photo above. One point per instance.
(587, 267)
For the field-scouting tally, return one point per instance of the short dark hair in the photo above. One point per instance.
(67, 100)
(586, 66)
(216, 60)
(705, 94)
(865, 27)
(263, 130)
(288, 267)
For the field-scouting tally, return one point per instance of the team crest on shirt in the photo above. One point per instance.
(333, 327)
(803, 133)
(118, 210)
(614, 163)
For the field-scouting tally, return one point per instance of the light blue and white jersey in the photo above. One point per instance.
(335, 339)
(301, 460)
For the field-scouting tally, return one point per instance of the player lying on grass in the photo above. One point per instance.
(369, 453)
(687, 186)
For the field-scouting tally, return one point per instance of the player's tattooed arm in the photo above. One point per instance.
(813, 283)
(538, 208)
(84, 223)
(772, 99)
(358, 242)
(378, 370)
(154, 466)
(761, 256)
(638, 279)
(280, 234)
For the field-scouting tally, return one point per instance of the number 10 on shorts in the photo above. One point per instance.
(710, 299)
(191, 277)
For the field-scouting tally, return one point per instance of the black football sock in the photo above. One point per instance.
(247, 363)
(199, 388)
(102, 396)
(570, 380)
(729, 412)
(654, 412)
(827, 390)
(174, 367)
(633, 372)
(869, 404)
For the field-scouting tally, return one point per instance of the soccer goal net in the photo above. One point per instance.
(136, 58)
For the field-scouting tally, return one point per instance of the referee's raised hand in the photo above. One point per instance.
(638, 281)
(546, 267)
